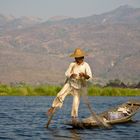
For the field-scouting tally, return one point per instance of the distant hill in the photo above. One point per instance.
(39, 52)
(58, 18)
(8, 23)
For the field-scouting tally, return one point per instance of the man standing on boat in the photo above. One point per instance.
(77, 74)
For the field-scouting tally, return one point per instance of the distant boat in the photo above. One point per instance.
(120, 114)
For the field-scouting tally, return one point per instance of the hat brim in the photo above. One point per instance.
(76, 56)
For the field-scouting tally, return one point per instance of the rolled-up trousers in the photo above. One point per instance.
(68, 89)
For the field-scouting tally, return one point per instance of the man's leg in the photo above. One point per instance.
(58, 101)
(76, 102)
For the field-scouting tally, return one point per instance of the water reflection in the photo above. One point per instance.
(75, 134)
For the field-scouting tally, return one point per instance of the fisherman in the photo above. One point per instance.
(77, 74)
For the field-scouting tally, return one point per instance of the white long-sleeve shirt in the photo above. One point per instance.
(77, 69)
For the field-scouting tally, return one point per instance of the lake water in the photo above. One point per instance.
(23, 118)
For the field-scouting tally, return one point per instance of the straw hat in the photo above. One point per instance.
(78, 53)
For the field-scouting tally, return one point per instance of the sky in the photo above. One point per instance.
(46, 9)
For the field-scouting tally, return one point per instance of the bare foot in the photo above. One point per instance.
(50, 111)
(74, 120)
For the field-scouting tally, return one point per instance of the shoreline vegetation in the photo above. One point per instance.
(51, 90)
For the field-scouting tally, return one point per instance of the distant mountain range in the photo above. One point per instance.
(8, 23)
(35, 52)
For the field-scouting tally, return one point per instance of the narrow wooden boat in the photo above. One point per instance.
(120, 114)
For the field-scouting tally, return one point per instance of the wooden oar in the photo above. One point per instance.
(50, 118)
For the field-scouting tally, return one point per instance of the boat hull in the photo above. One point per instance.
(133, 106)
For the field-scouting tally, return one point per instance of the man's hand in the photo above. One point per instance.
(73, 75)
(81, 74)
(84, 75)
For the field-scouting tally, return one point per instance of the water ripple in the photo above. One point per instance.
(23, 118)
